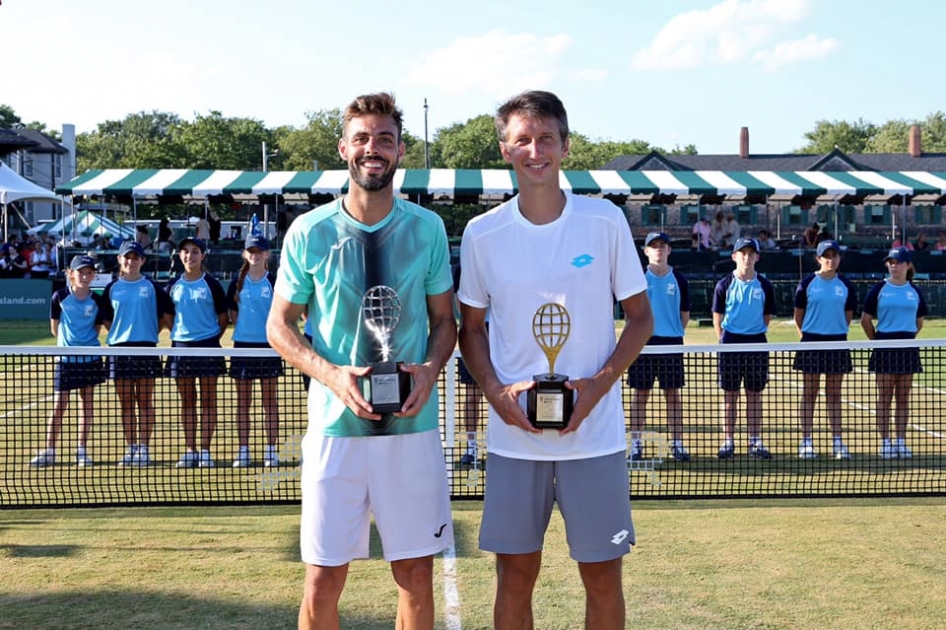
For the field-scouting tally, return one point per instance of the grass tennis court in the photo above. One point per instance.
(747, 563)
(806, 565)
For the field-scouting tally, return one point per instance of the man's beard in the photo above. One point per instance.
(371, 183)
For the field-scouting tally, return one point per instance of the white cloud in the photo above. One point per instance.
(788, 52)
(729, 32)
(497, 64)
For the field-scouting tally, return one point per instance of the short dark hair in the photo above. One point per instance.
(533, 104)
(380, 104)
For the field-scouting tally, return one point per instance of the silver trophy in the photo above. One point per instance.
(387, 386)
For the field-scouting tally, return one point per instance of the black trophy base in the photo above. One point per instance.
(549, 404)
(387, 387)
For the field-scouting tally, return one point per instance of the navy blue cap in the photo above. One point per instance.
(199, 242)
(751, 243)
(824, 246)
(81, 261)
(131, 247)
(256, 240)
(656, 236)
(900, 254)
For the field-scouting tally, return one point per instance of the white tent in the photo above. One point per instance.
(15, 188)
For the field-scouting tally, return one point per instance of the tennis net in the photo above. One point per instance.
(32, 477)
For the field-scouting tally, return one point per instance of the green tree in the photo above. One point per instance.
(316, 143)
(8, 118)
(141, 140)
(893, 136)
(472, 144)
(217, 142)
(846, 136)
(584, 154)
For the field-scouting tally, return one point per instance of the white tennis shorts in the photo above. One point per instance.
(399, 479)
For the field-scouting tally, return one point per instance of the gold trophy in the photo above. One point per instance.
(387, 386)
(550, 403)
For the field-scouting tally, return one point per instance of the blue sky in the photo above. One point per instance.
(673, 72)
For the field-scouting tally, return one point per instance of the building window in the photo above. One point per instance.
(652, 214)
(57, 166)
(27, 166)
(794, 216)
(927, 215)
(877, 215)
(689, 214)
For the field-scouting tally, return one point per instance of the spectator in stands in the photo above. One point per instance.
(743, 305)
(583, 466)
(138, 310)
(702, 230)
(941, 241)
(11, 244)
(825, 302)
(810, 237)
(766, 242)
(731, 231)
(6, 263)
(165, 236)
(357, 462)
(200, 319)
(921, 245)
(249, 298)
(202, 229)
(214, 226)
(898, 243)
(669, 294)
(76, 315)
(142, 237)
(718, 231)
(41, 260)
(899, 307)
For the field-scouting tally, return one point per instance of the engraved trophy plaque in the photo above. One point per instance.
(387, 386)
(550, 403)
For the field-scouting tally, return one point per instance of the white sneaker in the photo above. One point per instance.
(271, 459)
(903, 452)
(44, 458)
(888, 450)
(129, 456)
(141, 457)
(243, 458)
(187, 460)
(205, 460)
(82, 459)
(806, 450)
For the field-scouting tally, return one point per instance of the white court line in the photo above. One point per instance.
(871, 410)
(12, 414)
(450, 593)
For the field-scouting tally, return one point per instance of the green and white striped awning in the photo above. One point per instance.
(151, 184)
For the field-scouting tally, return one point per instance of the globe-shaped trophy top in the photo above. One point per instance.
(551, 326)
(381, 309)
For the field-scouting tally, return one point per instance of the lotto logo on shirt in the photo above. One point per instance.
(144, 292)
(756, 293)
(671, 289)
(839, 291)
(89, 310)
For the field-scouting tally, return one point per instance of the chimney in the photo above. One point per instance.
(744, 143)
(915, 149)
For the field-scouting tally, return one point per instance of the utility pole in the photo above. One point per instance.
(426, 144)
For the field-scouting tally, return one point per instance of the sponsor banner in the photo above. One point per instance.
(25, 299)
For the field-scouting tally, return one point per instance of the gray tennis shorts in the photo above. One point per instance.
(593, 496)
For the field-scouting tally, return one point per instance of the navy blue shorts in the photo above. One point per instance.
(823, 361)
(196, 367)
(134, 367)
(895, 360)
(665, 368)
(70, 374)
(251, 368)
(738, 367)
(463, 373)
